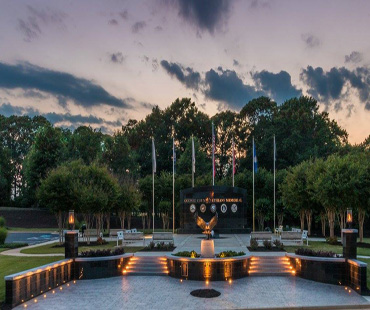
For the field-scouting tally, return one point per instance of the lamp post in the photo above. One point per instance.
(71, 219)
(349, 218)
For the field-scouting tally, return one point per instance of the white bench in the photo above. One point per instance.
(261, 236)
(120, 236)
(296, 229)
(293, 236)
(133, 237)
(163, 236)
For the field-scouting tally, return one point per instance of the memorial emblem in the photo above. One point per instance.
(234, 208)
(192, 208)
(203, 208)
(213, 208)
(223, 208)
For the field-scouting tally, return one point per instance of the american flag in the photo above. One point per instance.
(233, 156)
(213, 151)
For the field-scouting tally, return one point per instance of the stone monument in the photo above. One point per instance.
(207, 246)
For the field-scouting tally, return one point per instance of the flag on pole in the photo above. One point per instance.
(233, 156)
(154, 162)
(193, 155)
(274, 149)
(213, 154)
(254, 157)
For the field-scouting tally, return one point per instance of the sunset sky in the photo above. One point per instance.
(101, 63)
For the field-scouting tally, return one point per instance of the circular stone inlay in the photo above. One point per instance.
(205, 293)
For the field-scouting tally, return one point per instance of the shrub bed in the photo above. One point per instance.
(191, 254)
(101, 253)
(230, 254)
(13, 245)
(309, 252)
(159, 246)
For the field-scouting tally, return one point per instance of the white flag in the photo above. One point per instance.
(193, 155)
(154, 162)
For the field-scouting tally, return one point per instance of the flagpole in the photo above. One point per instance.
(173, 184)
(274, 183)
(213, 155)
(154, 168)
(253, 181)
(233, 160)
(192, 160)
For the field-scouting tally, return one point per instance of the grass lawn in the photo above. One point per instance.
(49, 249)
(323, 246)
(13, 264)
(15, 229)
(367, 261)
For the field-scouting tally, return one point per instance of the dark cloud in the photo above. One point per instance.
(187, 76)
(236, 63)
(354, 57)
(310, 40)
(228, 87)
(30, 93)
(208, 15)
(124, 15)
(277, 85)
(113, 22)
(138, 26)
(158, 28)
(83, 92)
(55, 118)
(117, 58)
(256, 4)
(334, 84)
(32, 24)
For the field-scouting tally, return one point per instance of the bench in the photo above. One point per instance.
(132, 237)
(91, 233)
(296, 229)
(261, 236)
(114, 232)
(163, 236)
(293, 236)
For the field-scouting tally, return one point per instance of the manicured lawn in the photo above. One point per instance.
(323, 246)
(13, 264)
(367, 261)
(15, 229)
(49, 249)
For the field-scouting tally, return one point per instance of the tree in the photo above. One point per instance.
(58, 193)
(6, 175)
(263, 211)
(145, 187)
(295, 195)
(45, 154)
(165, 197)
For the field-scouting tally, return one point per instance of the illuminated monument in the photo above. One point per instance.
(227, 201)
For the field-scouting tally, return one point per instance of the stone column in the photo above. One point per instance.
(71, 244)
(349, 243)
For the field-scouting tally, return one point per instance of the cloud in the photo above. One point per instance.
(158, 28)
(138, 26)
(256, 4)
(55, 118)
(117, 58)
(208, 15)
(277, 85)
(354, 57)
(113, 22)
(82, 91)
(124, 15)
(186, 76)
(310, 40)
(236, 63)
(30, 93)
(336, 83)
(228, 87)
(31, 25)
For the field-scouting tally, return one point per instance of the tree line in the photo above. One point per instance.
(36, 158)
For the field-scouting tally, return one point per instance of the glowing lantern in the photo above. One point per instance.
(349, 217)
(71, 218)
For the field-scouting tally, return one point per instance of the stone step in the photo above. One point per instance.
(147, 273)
(269, 273)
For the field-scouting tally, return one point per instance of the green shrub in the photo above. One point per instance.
(14, 245)
(332, 240)
(3, 234)
(2, 221)
(267, 244)
(230, 254)
(278, 244)
(254, 244)
(187, 254)
(104, 252)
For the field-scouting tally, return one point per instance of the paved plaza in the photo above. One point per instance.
(140, 292)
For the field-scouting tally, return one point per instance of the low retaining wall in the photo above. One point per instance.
(23, 286)
(100, 267)
(28, 284)
(337, 271)
(212, 269)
